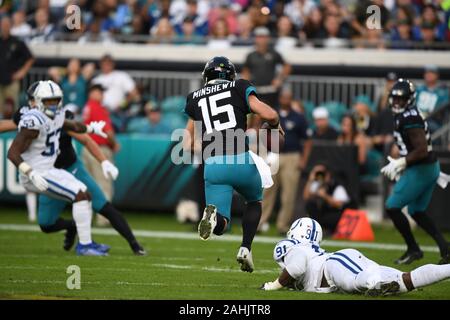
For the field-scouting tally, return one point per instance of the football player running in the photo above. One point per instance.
(416, 172)
(34, 152)
(221, 107)
(307, 267)
(50, 208)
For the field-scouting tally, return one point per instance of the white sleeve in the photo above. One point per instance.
(295, 262)
(340, 194)
(31, 121)
(127, 82)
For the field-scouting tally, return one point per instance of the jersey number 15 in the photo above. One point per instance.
(216, 110)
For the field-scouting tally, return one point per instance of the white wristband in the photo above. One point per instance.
(276, 285)
(25, 168)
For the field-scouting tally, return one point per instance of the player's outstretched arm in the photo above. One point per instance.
(7, 125)
(95, 127)
(265, 112)
(109, 170)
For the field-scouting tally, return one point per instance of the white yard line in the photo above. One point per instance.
(227, 238)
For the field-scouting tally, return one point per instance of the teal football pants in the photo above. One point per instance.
(223, 174)
(50, 208)
(415, 188)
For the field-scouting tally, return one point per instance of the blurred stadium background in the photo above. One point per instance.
(336, 63)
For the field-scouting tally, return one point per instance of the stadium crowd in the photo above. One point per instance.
(403, 24)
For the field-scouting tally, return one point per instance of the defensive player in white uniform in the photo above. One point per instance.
(34, 151)
(309, 268)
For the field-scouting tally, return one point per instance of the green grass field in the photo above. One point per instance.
(33, 264)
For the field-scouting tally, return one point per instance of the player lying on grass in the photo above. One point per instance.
(415, 172)
(221, 107)
(307, 267)
(50, 209)
(34, 151)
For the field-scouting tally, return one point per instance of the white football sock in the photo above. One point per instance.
(31, 206)
(82, 214)
(429, 274)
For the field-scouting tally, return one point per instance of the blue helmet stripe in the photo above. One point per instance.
(313, 231)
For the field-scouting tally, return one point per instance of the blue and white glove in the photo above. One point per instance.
(394, 168)
(96, 127)
(109, 170)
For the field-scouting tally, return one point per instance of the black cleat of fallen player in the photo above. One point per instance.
(409, 256)
(69, 238)
(138, 250)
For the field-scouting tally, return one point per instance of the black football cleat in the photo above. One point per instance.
(138, 250)
(409, 256)
(69, 238)
(384, 289)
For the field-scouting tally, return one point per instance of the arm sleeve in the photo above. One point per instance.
(295, 263)
(412, 119)
(245, 89)
(279, 58)
(31, 122)
(128, 82)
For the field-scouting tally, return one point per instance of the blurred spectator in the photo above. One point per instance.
(292, 159)
(245, 31)
(220, 36)
(120, 88)
(44, 30)
(261, 68)
(313, 25)
(285, 35)
(429, 17)
(298, 11)
(95, 111)
(384, 123)
(350, 136)
(73, 82)
(195, 10)
(333, 33)
(15, 61)
(151, 124)
(431, 96)
(258, 13)
(364, 116)
(95, 34)
(428, 36)
(188, 34)
(223, 12)
(323, 131)
(325, 198)
(401, 35)
(20, 28)
(163, 31)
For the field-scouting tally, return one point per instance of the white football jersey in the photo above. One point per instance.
(43, 151)
(304, 262)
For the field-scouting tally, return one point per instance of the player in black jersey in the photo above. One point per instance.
(221, 108)
(416, 172)
(50, 209)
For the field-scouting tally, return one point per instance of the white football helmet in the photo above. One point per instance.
(281, 249)
(47, 90)
(306, 230)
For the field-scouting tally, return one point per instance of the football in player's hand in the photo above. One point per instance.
(267, 133)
